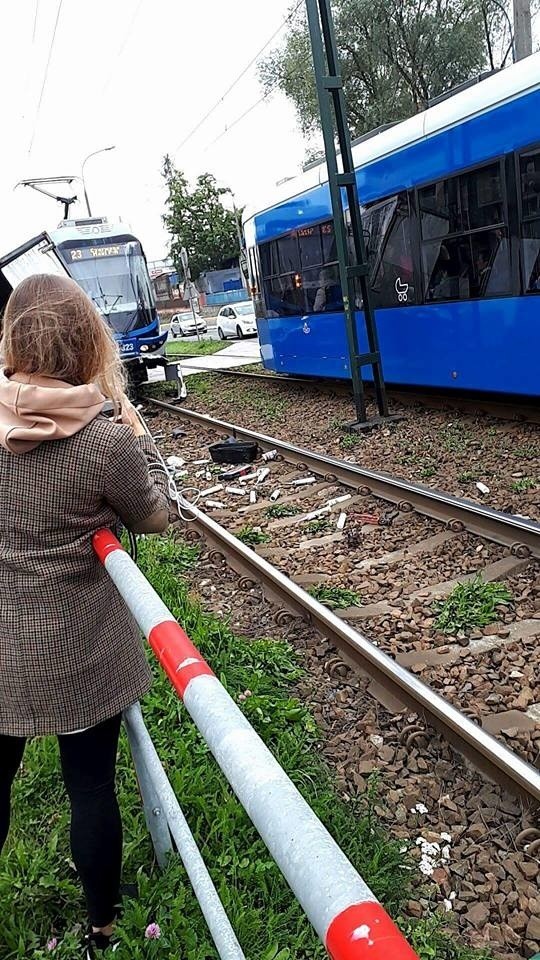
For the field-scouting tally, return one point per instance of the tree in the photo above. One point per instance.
(396, 56)
(197, 220)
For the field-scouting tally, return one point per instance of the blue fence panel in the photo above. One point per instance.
(228, 296)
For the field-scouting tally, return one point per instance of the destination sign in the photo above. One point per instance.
(96, 253)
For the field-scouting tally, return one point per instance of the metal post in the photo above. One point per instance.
(522, 29)
(155, 817)
(353, 263)
(211, 906)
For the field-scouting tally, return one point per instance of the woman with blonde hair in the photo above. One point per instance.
(71, 656)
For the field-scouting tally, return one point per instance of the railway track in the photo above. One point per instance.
(504, 409)
(401, 546)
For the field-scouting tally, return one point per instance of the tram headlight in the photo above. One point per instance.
(144, 347)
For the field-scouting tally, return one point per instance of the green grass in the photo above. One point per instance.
(320, 525)
(40, 895)
(471, 605)
(252, 537)
(349, 440)
(428, 471)
(198, 348)
(467, 476)
(455, 437)
(271, 408)
(278, 510)
(336, 598)
(523, 484)
(532, 452)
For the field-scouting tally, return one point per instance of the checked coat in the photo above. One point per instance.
(71, 655)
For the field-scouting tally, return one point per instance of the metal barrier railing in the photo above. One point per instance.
(350, 921)
(165, 820)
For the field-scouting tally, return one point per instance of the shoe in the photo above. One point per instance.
(96, 943)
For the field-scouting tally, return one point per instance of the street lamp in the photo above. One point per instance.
(94, 154)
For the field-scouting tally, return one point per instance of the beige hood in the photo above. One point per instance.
(34, 409)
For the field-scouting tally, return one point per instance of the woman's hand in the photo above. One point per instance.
(130, 417)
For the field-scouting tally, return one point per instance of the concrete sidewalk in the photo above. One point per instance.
(239, 354)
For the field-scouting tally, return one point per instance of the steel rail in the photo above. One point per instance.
(484, 751)
(515, 412)
(519, 533)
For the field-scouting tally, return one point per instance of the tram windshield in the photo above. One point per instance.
(115, 276)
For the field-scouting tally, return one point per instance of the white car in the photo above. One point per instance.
(183, 325)
(237, 320)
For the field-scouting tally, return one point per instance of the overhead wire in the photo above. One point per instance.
(240, 76)
(35, 23)
(242, 116)
(122, 47)
(45, 75)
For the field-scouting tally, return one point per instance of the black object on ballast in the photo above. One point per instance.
(233, 451)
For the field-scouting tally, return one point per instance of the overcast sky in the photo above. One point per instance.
(138, 74)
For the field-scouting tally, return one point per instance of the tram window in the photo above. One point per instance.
(531, 256)
(322, 289)
(467, 267)
(283, 296)
(309, 239)
(529, 164)
(390, 255)
(288, 253)
(328, 242)
(269, 259)
(481, 198)
(439, 211)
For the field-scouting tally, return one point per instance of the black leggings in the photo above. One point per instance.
(88, 768)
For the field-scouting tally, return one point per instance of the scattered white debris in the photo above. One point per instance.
(238, 492)
(214, 489)
(175, 461)
(198, 463)
(332, 503)
(215, 503)
(253, 496)
(432, 855)
(341, 521)
(482, 487)
(275, 494)
(269, 455)
(314, 513)
(249, 476)
(262, 474)
(303, 481)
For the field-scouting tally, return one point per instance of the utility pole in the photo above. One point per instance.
(352, 258)
(522, 29)
(189, 288)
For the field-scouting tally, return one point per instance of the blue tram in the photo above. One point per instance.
(451, 214)
(109, 264)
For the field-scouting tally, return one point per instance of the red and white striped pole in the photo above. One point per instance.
(345, 913)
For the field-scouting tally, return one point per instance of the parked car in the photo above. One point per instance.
(237, 320)
(183, 325)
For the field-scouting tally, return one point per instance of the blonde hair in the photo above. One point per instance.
(51, 328)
